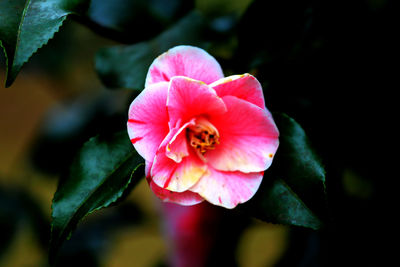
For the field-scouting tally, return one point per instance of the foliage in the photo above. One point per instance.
(98, 177)
(28, 25)
(291, 195)
(126, 66)
(293, 190)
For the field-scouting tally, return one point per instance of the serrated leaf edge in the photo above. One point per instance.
(10, 69)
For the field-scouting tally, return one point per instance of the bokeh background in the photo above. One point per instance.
(325, 63)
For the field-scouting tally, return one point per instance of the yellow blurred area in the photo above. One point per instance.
(22, 107)
(262, 245)
(212, 7)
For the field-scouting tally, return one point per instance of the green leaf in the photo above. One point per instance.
(279, 204)
(297, 163)
(126, 66)
(27, 25)
(100, 174)
(293, 188)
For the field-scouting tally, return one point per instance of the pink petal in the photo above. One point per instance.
(186, 198)
(148, 120)
(188, 61)
(147, 168)
(227, 189)
(245, 87)
(177, 147)
(248, 138)
(174, 176)
(188, 98)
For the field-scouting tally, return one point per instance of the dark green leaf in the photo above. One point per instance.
(293, 189)
(27, 25)
(98, 177)
(126, 66)
(119, 19)
(279, 204)
(10, 17)
(298, 165)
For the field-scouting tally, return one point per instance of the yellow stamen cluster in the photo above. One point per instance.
(203, 136)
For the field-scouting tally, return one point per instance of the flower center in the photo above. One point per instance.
(203, 135)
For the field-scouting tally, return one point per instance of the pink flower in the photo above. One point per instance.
(203, 136)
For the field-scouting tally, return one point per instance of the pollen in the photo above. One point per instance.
(202, 136)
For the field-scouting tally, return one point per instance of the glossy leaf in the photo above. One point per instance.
(27, 25)
(126, 66)
(298, 165)
(98, 177)
(10, 18)
(293, 189)
(280, 204)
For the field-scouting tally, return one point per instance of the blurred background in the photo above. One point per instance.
(324, 63)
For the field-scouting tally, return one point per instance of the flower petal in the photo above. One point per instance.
(189, 61)
(177, 177)
(147, 169)
(227, 189)
(148, 120)
(177, 147)
(248, 138)
(186, 198)
(245, 87)
(188, 98)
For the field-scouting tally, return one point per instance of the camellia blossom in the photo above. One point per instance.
(203, 136)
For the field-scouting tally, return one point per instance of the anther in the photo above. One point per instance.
(203, 135)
